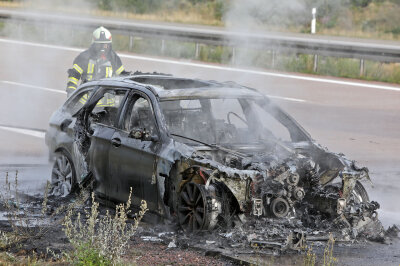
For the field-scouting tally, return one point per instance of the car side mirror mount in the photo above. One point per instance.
(64, 124)
(143, 135)
(154, 138)
(136, 134)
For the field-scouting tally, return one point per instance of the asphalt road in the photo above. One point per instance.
(359, 119)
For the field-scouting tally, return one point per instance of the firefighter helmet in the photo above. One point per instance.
(101, 35)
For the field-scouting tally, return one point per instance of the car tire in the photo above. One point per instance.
(63, 177)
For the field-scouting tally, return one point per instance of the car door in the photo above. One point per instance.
(132, 158)
(61, 126)
(102, 121)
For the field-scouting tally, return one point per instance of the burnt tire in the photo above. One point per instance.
(62, 175)
(198, 207)
(191, 208)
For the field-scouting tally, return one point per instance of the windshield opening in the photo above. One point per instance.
(223, 121)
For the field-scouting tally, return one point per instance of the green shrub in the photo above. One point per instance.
(101, 240)
(87, 255)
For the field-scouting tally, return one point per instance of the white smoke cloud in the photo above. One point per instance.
(252, 14)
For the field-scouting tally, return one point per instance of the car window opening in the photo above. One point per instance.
(222, 121)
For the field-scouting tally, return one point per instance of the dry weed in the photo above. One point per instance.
(105, 238)
(23, 220)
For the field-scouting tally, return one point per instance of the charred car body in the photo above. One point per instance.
(202, 152)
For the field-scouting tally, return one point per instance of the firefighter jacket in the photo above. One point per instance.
(89, 66)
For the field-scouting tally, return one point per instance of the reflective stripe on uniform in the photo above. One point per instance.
(78, 68)
(71, 87)
(108, 102)
(90, 68)
(73, 80)
(101, 103)
(83, 99)
(108, 72)
(119, 70)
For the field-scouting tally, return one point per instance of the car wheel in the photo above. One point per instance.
(192, 208)
(62, 176)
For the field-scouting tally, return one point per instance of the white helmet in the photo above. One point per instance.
(101, 35)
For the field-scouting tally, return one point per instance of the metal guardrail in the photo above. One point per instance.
(300, 44)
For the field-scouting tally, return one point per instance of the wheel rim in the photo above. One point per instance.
(359, 194)
(191, 209)
(356, 197)
(61, 177)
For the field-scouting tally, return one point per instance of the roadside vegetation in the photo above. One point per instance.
(376, 19)
(96, 237)
(101, 240)
(354, 18)
(311, 258)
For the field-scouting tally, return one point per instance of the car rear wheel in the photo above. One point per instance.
(62, 176)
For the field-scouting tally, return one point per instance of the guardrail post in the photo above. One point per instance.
(162, 46)
(362, 67)
(314, 20)
(197, 50)
(315, 69)
(131, 42)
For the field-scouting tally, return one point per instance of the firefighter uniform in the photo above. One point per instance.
(87, 67)
(97, 62)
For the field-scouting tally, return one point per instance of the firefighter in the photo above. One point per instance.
(97, 62)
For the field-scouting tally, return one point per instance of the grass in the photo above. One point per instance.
(101, 240)
(95, 239)
(310, 258)
(199, 13)
(379, 19)
(23, 222)
(7, 258)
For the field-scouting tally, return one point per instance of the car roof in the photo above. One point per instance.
(168, 87)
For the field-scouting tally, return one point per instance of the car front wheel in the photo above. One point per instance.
(62, 176)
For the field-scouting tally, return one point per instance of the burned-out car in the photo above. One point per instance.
(201, 152)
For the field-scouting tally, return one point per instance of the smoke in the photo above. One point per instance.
(279, 14)
(253, 14)
(274, 17)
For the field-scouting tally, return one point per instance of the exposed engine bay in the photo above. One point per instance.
(265, 186)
